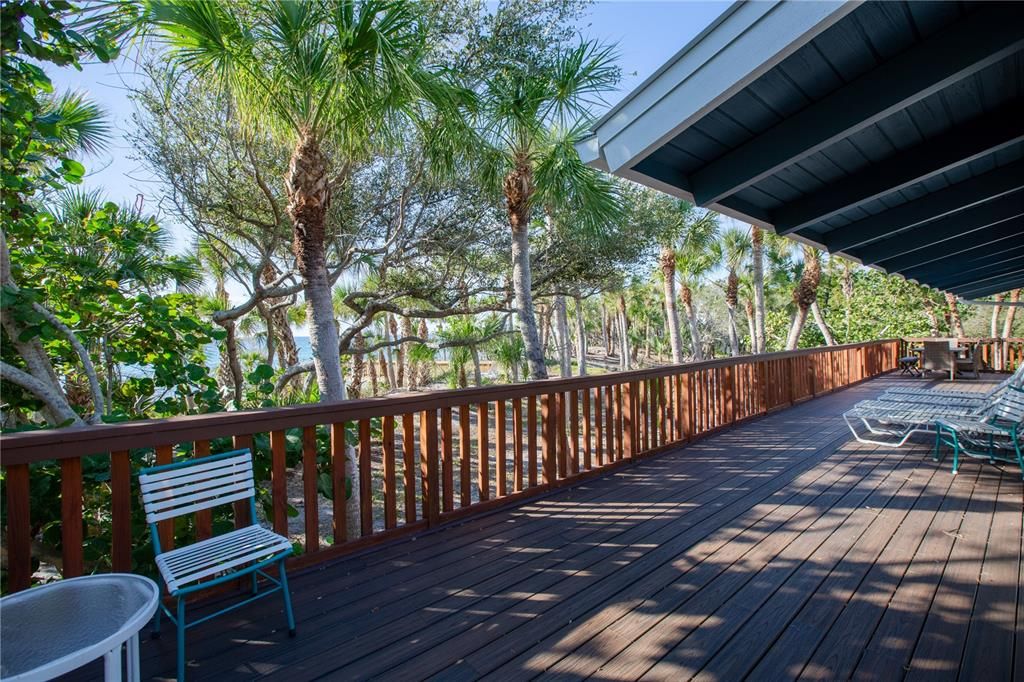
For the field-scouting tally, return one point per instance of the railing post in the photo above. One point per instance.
(19, 528)
(365, 482)
(339, 483)
(428, 466)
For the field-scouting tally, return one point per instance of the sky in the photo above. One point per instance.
(646, 32)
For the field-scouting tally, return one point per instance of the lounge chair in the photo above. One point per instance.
(983, 437)
(898, 421)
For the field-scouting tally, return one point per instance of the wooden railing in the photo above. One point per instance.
(997, 354)
(424, 459)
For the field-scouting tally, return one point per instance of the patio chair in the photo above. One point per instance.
(982, 438)
(173, 490)
(937, 357)
(970, 364)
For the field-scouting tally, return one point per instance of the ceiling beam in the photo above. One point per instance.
(981, 136)
(978, 273)
(944, 236)
(974, 257)
(949, 254)
(952, 199)
(954, 53)
(996, 286)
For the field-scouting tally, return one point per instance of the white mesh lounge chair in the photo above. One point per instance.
(1001, 431)
(896, 422)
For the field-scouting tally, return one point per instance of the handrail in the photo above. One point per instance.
(424, 459)
(84, 440)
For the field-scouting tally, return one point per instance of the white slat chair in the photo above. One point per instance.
(173, 490)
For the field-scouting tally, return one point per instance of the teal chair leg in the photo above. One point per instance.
(181, 639)
(255, 585)
(956, 453)
(287, 598)
(938, 442)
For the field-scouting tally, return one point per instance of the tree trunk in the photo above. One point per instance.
(933, 318)
(387, 359)
(372, 370)
(1011, 311)
(605, 339)
(399, 356)
(581, 338)
(406, 353)
(309, 196)
(748, 308)
(623, 335)
(478, 378)
(819, 320)
(757, 274)
(956, 324)
(518, 189)
(691, 317)
(732, 290)
(805, 295)
(847, 296)
(234, 365)
(426, 368)
(564, 343)
(668, 276)
(355, 387)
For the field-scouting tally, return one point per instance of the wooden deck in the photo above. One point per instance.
(778, 549)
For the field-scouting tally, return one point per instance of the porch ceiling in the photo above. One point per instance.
(891, 133)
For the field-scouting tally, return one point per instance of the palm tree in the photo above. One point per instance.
(757, 274)
(333, 80)
(667, 261)
(697, 255)
(736, 246)
(531, 117)
(804, 295)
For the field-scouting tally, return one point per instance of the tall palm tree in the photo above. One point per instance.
(757, 274)
(333, 80)
(667, 262)
(804, 295)
(697, 255)
(531, 117)
(736, 246)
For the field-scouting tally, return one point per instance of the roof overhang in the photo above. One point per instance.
(891, 133)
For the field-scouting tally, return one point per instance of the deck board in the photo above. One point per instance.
(777, 549)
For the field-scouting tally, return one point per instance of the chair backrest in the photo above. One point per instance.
(171, 490)
(937, 356)
(1009, 406)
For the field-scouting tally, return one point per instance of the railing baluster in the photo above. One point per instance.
(365, 479)
(574, 432)
(447, 462)
(278, 482)
(483, 454)
(531, 440)
(560, 441)
(587, 456)
(409, 465)
(501, 454)
(241, 508)
(390, 478)
(165, 529)
(310, 497)
(465, 452)
(517, 445)
(121, 511)
(204, 517)
(339, 483)
(547, 438)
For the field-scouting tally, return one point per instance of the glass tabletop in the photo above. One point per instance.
(72, 621)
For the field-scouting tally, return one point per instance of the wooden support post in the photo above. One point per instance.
(390, 475)
(19, 528)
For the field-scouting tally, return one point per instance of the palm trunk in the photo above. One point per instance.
(819, 320)
(234, 365)
(691, 317)
(623, 335)
(668, 273)
(748, 308)
(410, 366)
(605, 339)
(309, 195)
(355, 387)
(426, 368)
(955, 323)
(387, 360)
(1011, 311)
(399, 354)
(371, 366)
(731, 298)
(757, 274)
(518, 189)
(564, 343)
(581, 338)
(847, 296)
(805, 295)
(933, 318)
(478, 378)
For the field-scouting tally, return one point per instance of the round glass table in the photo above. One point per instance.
(55, 628)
